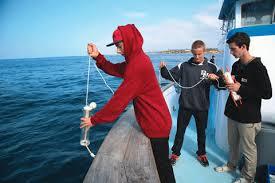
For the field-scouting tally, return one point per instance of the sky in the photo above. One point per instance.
(52, 28)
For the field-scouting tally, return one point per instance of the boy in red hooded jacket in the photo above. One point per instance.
(139, 85)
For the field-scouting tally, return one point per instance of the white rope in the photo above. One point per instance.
(184, 87)
(92, 154)
(193, 85)
(219, 84)
(87, 94)
(88, 80)
(159, 76)
(103, 79)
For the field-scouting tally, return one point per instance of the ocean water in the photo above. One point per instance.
(41, 105)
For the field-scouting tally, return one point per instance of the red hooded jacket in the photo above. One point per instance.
(139, 85)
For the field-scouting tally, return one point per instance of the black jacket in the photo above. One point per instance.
(255, 86)
(188, 74)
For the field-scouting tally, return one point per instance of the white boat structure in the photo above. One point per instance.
(126, 155)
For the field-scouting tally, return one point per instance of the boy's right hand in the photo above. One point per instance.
(92, 50)
(162, 64)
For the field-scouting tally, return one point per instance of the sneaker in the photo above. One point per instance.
(173, 159)
(203, 160)
(224, 168)
(242, 180)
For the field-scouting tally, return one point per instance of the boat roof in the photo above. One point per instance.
(226, 8)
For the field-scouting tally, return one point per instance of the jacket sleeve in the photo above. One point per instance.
(110, 68)
(175, 72)
(126, 92)
(262, 88)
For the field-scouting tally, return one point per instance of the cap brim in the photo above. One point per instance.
(113, 43)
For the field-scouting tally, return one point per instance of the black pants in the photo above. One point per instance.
(184, 116)
(161, 153)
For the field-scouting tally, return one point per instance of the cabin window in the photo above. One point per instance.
(257, 13)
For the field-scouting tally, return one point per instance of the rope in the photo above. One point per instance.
(190, 87)
(184, 87)
(88, 80)
(87, 94)
(92, 154)
(103, 78)
(159, 76)
(219, 84)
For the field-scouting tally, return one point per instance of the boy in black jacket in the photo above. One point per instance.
(198, 73)
(252, 83)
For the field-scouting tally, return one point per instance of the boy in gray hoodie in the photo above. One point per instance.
(195, 75)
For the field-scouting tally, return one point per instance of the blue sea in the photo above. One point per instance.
(41, 106)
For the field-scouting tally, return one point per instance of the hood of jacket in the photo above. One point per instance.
(132, 40)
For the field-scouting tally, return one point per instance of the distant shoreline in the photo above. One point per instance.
(176, 51)
(170, 51)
